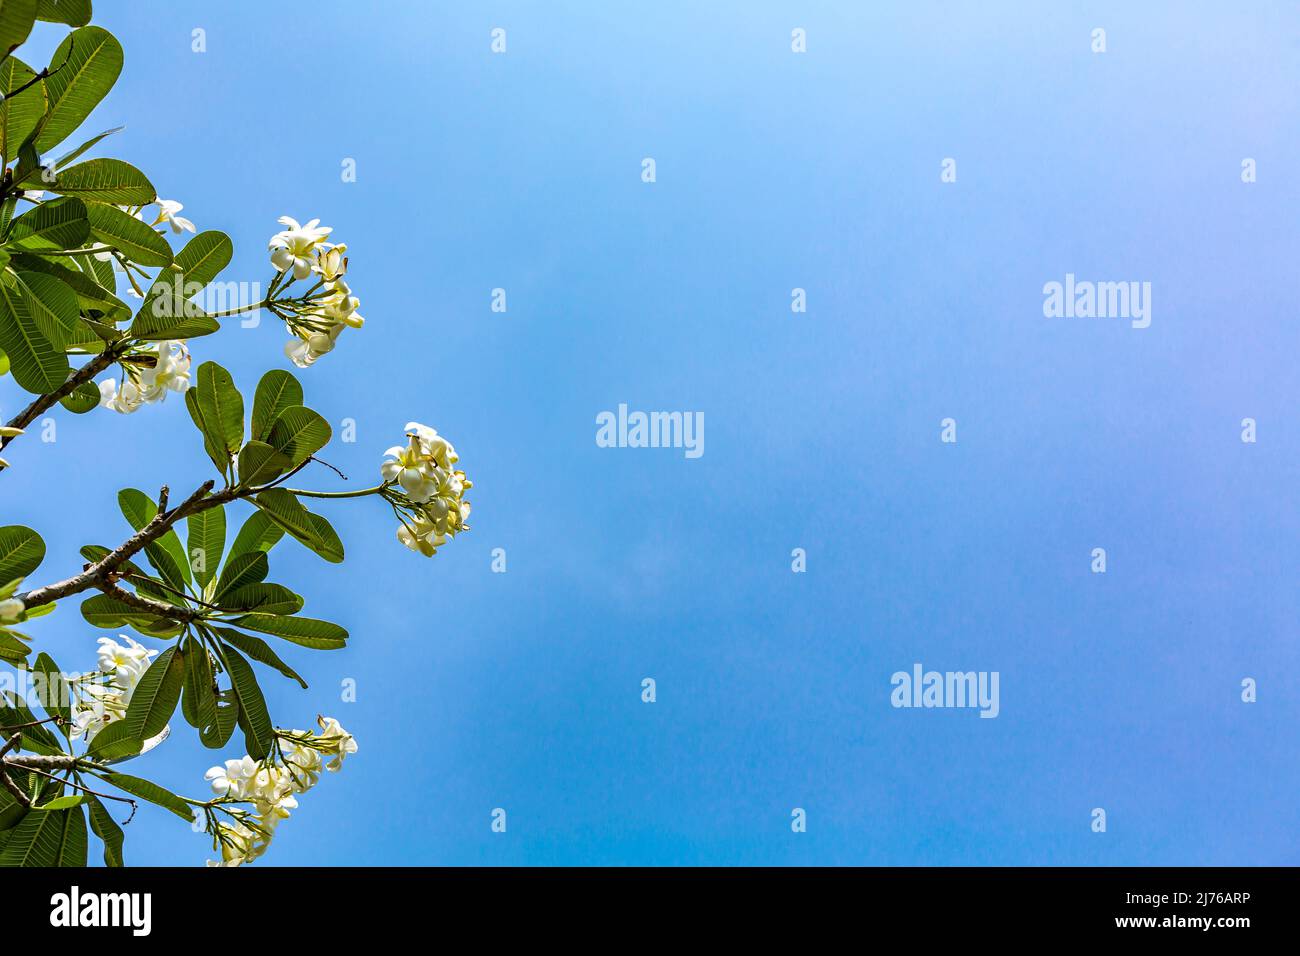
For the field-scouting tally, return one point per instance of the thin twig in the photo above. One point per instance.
(8, 782)
(93, 793)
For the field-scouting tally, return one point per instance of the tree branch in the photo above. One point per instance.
(103, 573)
(41, 763)
(84, 374)
(162, 608)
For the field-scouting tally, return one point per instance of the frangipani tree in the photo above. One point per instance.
(73, 233)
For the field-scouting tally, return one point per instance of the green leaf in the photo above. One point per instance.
(75, 13)
(16, 19)
(129, 235)
(100, 271)
(84, 398)
(36, 363)
(19, 115)
(241, 570)
(104, 180)
(29, 161)
(166, 553)
(312, 530)
(155, 698)
(11, 814)
(115, 742)
(277, 391)
(306, 631)
(51, 304)
(51, 838)
(57, 699)
(260, 463)
(83, 69)
(148, 790)
(21, 551)
(258, 533)
(253, 716)
(217, 734)
(259, 650)
(57, 224)
(37, 739)
(199, 704)
(207, 540)
(328, 544)
(262, 598)
(11, 648)
(63, 803)
(217, 409)
(298, 433)
(210, 429)
(96, 301)
(107, 830)
(205, 256)
(107, 612)
(168, 310)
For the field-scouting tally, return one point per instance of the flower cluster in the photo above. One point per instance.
(272, 787)
(104, 697)
(319, 316)
(434, 507)
(147, 376)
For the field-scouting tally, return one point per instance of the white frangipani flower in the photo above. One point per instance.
(295, 247)
(331, 262)
(341, 306)
(304, 352)
(421, 535)
(344, 743)
(169, 373)
(233, 778)
(124, 400)
(105, 700)
(167, 210)
(239, 844)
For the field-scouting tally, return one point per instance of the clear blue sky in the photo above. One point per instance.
(522, 690)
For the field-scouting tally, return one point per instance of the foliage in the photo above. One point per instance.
(72, 229)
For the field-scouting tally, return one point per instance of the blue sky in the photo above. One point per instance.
(521, 690)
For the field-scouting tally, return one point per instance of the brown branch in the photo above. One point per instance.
(138, 601)
(84, 374)
(103, 573)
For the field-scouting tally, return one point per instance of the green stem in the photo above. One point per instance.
(338, 494)
(243, 308)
